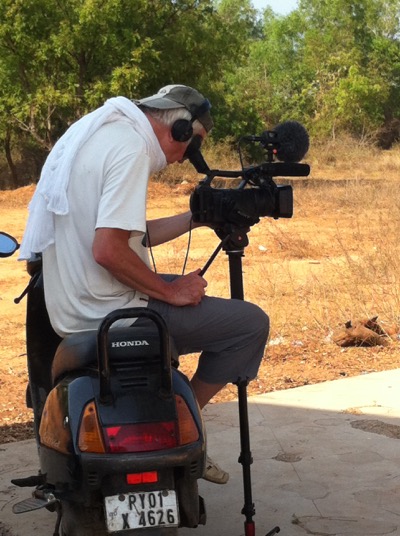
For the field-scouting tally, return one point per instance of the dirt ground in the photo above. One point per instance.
(299, 353)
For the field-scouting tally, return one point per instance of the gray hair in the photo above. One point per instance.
(169, 116)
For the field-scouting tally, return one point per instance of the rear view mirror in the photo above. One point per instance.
(8, 245)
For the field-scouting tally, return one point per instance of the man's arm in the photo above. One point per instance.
(111, 250)
(163, 230)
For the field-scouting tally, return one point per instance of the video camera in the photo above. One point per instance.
(257, 194)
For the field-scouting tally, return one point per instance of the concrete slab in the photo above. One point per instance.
(326, 462)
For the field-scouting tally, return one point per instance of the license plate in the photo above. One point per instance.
(141, 510)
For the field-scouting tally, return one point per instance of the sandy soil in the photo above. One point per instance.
(301, 350)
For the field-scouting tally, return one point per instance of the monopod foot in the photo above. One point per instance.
(249, 528)
(273, 531)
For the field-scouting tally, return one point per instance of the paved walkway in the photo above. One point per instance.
(326, 463)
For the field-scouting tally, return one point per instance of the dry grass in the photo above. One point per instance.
(337, 259)
(339, 159)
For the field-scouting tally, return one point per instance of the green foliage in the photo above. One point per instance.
(334, 65)
(60, 60)
(348, 87)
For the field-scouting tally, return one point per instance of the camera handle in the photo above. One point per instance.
(234, 240)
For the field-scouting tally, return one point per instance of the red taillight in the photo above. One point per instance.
(141, 437)
(150, 477)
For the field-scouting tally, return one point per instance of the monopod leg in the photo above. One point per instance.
(246, 459)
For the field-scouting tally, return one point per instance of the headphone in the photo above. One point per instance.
(182, 129)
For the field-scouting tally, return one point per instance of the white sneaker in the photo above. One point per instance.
(214, 473)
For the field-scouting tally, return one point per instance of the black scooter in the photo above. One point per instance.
(119, 432)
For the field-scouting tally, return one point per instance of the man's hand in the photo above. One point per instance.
(111, 250)
(188, 289)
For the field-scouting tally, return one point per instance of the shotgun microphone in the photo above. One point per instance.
(292, 141)
(289, 140)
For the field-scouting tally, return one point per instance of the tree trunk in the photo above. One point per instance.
(13, 182)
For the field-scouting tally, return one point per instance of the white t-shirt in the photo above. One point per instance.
(107, 188)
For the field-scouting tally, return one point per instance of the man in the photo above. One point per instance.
(88, 218)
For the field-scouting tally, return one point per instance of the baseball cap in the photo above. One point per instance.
(179, 96)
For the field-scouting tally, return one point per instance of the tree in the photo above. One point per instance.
(238, 26)
(350, 87)
(63, 59)
(332, 64)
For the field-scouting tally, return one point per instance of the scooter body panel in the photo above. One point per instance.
(64, 464)
(89, 478)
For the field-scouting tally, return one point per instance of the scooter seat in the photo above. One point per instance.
(79, 350)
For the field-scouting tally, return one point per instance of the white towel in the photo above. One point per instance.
(50, 196)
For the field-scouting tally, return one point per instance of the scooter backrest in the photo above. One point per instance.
(125, 345)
